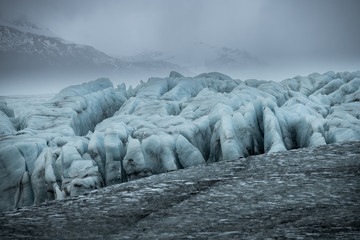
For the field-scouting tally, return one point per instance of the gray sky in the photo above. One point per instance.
(286, 27)
(300, 35)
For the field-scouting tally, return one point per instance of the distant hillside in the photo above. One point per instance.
(26, 47)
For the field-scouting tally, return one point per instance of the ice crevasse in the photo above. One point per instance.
(94, 135)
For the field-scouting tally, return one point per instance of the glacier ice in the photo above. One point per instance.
(7, 120)
(94, 135)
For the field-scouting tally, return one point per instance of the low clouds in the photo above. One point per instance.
(282, 31)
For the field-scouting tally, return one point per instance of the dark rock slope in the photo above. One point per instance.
(301, 194)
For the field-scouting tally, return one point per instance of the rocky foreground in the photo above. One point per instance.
(304, 193)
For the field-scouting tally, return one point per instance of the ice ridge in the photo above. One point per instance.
(93, 135)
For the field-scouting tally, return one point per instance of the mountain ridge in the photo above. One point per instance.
(22, 50)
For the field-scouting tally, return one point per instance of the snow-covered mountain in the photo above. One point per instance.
(31, 54)
(203, 57)
(94, 135)
(228, 59)
(23, 49)
(25, 46)
(26, 26)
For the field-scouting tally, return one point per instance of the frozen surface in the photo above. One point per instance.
(6, 119)
(307, 193)
(94, 135)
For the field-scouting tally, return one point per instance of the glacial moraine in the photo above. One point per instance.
(302, 194)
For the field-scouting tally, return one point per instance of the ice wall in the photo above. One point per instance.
(93, 135)
(48, 157)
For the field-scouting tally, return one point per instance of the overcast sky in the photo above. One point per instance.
(304, 35)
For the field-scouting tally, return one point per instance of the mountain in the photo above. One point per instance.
(24, 50)
(203, 57)
(32, 55)
(26, 47)
(228, 59)
(24, 25)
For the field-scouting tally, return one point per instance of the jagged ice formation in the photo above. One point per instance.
(93, 135)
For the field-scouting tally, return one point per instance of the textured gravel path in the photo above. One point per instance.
(301, 194)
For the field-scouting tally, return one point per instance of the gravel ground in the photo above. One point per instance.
(300, 194)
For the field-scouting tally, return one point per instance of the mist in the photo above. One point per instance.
(279, 39)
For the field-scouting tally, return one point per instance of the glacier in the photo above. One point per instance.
(93, 135)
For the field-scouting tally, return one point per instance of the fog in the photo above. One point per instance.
(289, 37)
